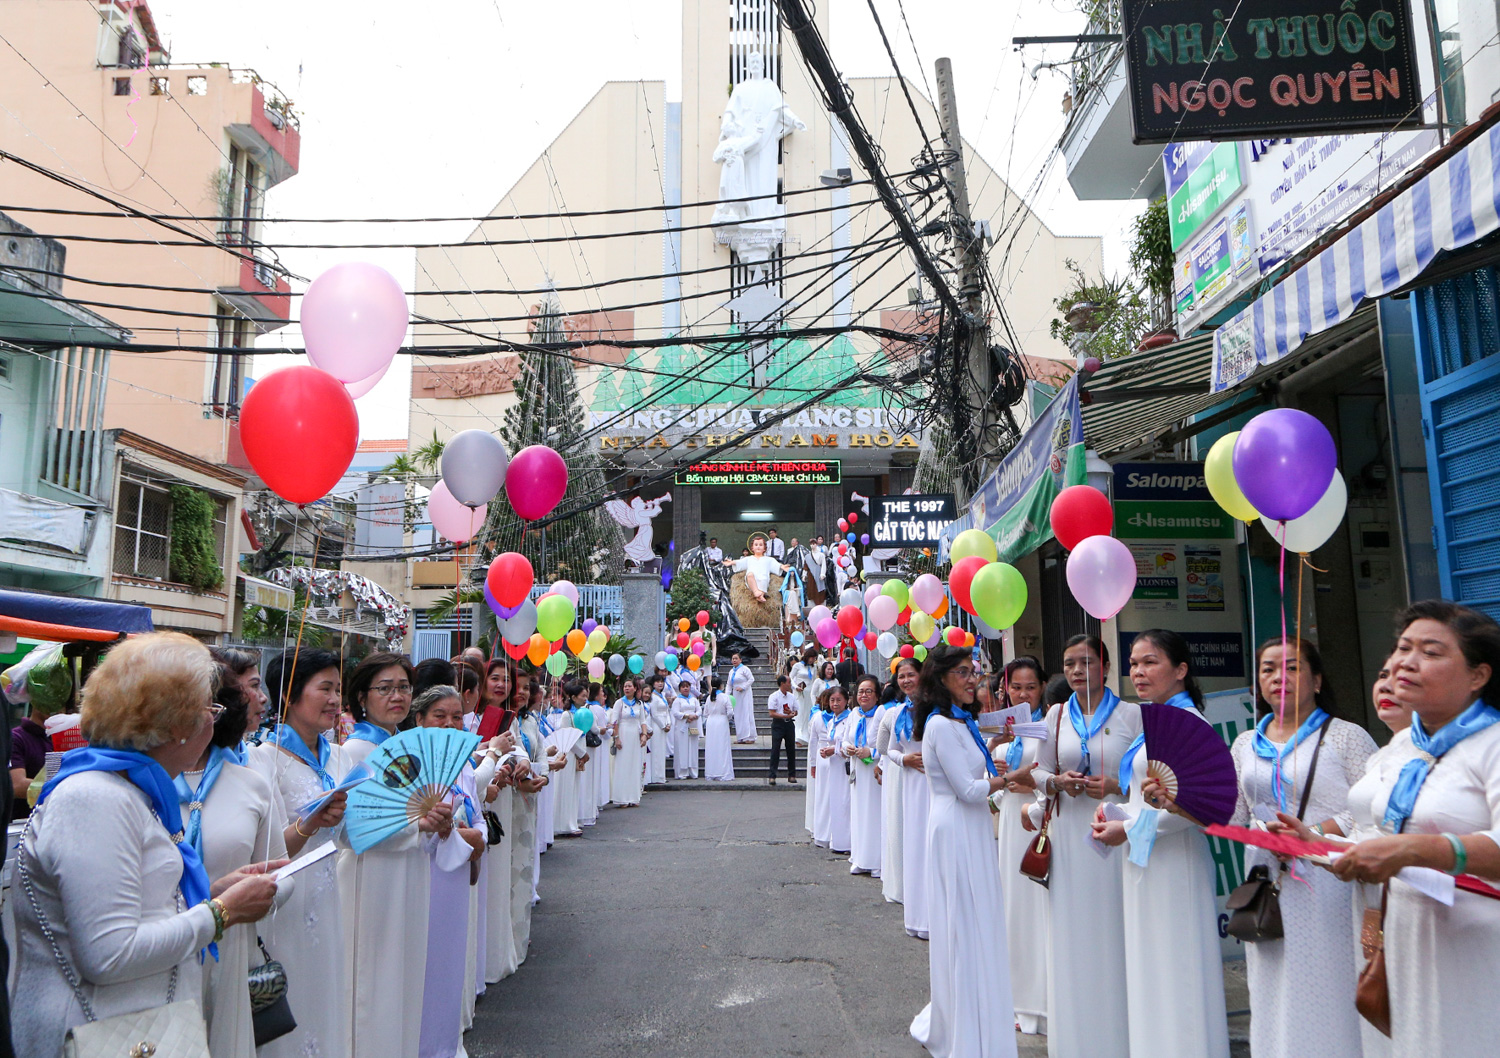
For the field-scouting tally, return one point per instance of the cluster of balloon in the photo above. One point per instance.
(473, 468)
(991, 591)
(1282, 468)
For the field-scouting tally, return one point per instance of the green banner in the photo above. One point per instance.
(1028, 525)
(1207, 187)
(1153, 519)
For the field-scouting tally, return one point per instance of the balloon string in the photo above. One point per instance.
(291, 679)
(1281, 697)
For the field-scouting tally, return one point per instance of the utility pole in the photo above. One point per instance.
(971, 366)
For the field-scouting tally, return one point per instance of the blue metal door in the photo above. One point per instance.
(1457, 326)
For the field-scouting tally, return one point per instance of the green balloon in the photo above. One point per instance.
(557, 664)
(998, 592)
(897, 590)
(554, 616)
(921, 652)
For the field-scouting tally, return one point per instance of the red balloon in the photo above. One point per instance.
(853, 518)
(510, 578)
(299, 430)
(907, 650)
(955, 636)
(843, 525)
(962, 577)
(870, 640)
(702, 618)
(535, 481)
(1079, 512)
(851, 621)
(843, 547)
(516, 652)
(682, 640)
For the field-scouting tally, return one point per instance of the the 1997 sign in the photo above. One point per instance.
(910, 521)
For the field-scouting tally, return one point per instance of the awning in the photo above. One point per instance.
(1136, 399)
(1452, 206)
(95, 614)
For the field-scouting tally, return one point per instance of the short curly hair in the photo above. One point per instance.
(145, 688)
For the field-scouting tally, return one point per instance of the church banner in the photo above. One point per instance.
(1013, 503)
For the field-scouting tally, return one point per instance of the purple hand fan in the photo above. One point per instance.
(1191, 762)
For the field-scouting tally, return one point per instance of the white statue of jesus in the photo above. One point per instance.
(753, 124)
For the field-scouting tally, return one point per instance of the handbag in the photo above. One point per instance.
(494, 832)
(1372, 992)
(592, 740)
(1036, 861)
(173, 1030)
(270, 1012)
(1255, 905)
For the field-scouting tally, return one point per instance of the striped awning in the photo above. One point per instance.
(1454, 205)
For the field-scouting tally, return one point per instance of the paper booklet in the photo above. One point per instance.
(1021, 723)
(356, 775)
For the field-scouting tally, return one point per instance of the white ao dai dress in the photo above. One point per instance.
(1027, 909)
(1442, 962)
(685, 718)
(891, 780)
(1087, 1009)
(659, 748)
(741, 684)
(815, 809)
(718, 755)
(445, 955)
(969, 1015)
(628, 717)
(306, 934)
(802, 684)
(916, 796)
(865, 842)
(833, 782)
(1301, 987)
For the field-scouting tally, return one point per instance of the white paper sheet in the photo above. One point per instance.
(321, 852)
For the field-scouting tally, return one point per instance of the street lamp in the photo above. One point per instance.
(1100, 474)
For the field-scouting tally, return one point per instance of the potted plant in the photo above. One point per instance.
(1154, 262)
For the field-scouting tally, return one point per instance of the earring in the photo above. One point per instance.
(182, 742)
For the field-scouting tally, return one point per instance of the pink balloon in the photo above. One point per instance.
(567, 589)
(872, 593)
(883, 612)
(596, 668)
(699, 647)
(353, 320)
(828, 632)
(1101, 575)
(817, 615)
(536, 481)
(453, 521)
(927, 593)
(364, 385)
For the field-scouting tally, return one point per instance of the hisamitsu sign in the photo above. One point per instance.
(910, 521)
(1204, 69)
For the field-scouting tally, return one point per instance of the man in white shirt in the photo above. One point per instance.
(775, 546)
(782, 705)
(715, 552)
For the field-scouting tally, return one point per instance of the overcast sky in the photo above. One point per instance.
(425, 110)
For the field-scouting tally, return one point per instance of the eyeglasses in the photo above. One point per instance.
(385, 690)
(215, 710)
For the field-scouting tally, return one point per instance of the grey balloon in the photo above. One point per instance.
(473, 466)
(517, 630)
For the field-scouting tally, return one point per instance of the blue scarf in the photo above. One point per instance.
(1180, 700)
(1414, 772)
(630, 705)
(1017, 749)
(236, 754)
(152, 780)
(196, 799)
(1087, 732)
(831, 721)
(859, 728)
(904, 720)
(544, 725)
(973, 726)
(287, 738)
(368, 732)
(1265, 749)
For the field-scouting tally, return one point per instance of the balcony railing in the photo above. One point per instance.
(1091, 62)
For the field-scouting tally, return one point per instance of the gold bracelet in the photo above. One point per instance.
(221, 918)
(297, 826)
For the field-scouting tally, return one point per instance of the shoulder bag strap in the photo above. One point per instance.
(1312, 769)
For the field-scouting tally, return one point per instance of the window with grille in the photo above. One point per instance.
(229, 367)
(143, 530)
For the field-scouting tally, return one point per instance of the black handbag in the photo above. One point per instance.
(270, 1013)
(494, 832)
(1255, 906)
(592, 740)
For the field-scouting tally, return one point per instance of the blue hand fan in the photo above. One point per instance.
(411, 772)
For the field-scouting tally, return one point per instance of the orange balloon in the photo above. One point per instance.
(576, 640)
(539, 648)
(683, 625)
(604, 629)
(894, 663)
(693, 661)
(942, 608)
(969, 639)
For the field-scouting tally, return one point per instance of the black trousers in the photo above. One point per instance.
(784, 731)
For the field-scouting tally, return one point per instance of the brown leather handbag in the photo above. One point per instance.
(1372, 994)
(1036, 862)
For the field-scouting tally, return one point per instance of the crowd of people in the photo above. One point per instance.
(1116, 954)
(148, 868)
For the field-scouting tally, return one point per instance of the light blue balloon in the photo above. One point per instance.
(671, 663)
(637, 663)
(798, 639)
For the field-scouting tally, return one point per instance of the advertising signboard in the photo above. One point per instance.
(761, 472)
(1272, 68)
(910, 521)
(1201, 177)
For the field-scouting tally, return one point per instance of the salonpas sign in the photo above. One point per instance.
(1014, 503)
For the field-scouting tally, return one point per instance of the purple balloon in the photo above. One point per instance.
(505, 613)
(864, 539)
(1284, 460)
(589, 624)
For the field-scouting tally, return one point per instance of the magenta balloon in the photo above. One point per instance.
(452, 520)
(353, 320)
(828, 632)
(1101, 575)
(536, 481)
(364, 385)
(1284, 461)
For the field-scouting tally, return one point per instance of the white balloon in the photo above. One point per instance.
(517, 630)
(818, 615)
(852, 597)
(1306, 534)
(887, 644)
(473, 466)
(616, 664)
(985, 630)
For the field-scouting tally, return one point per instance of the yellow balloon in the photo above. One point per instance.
(597, 640)
(922, 626)
(1218, 472)
(973, 542)
(576, 640)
